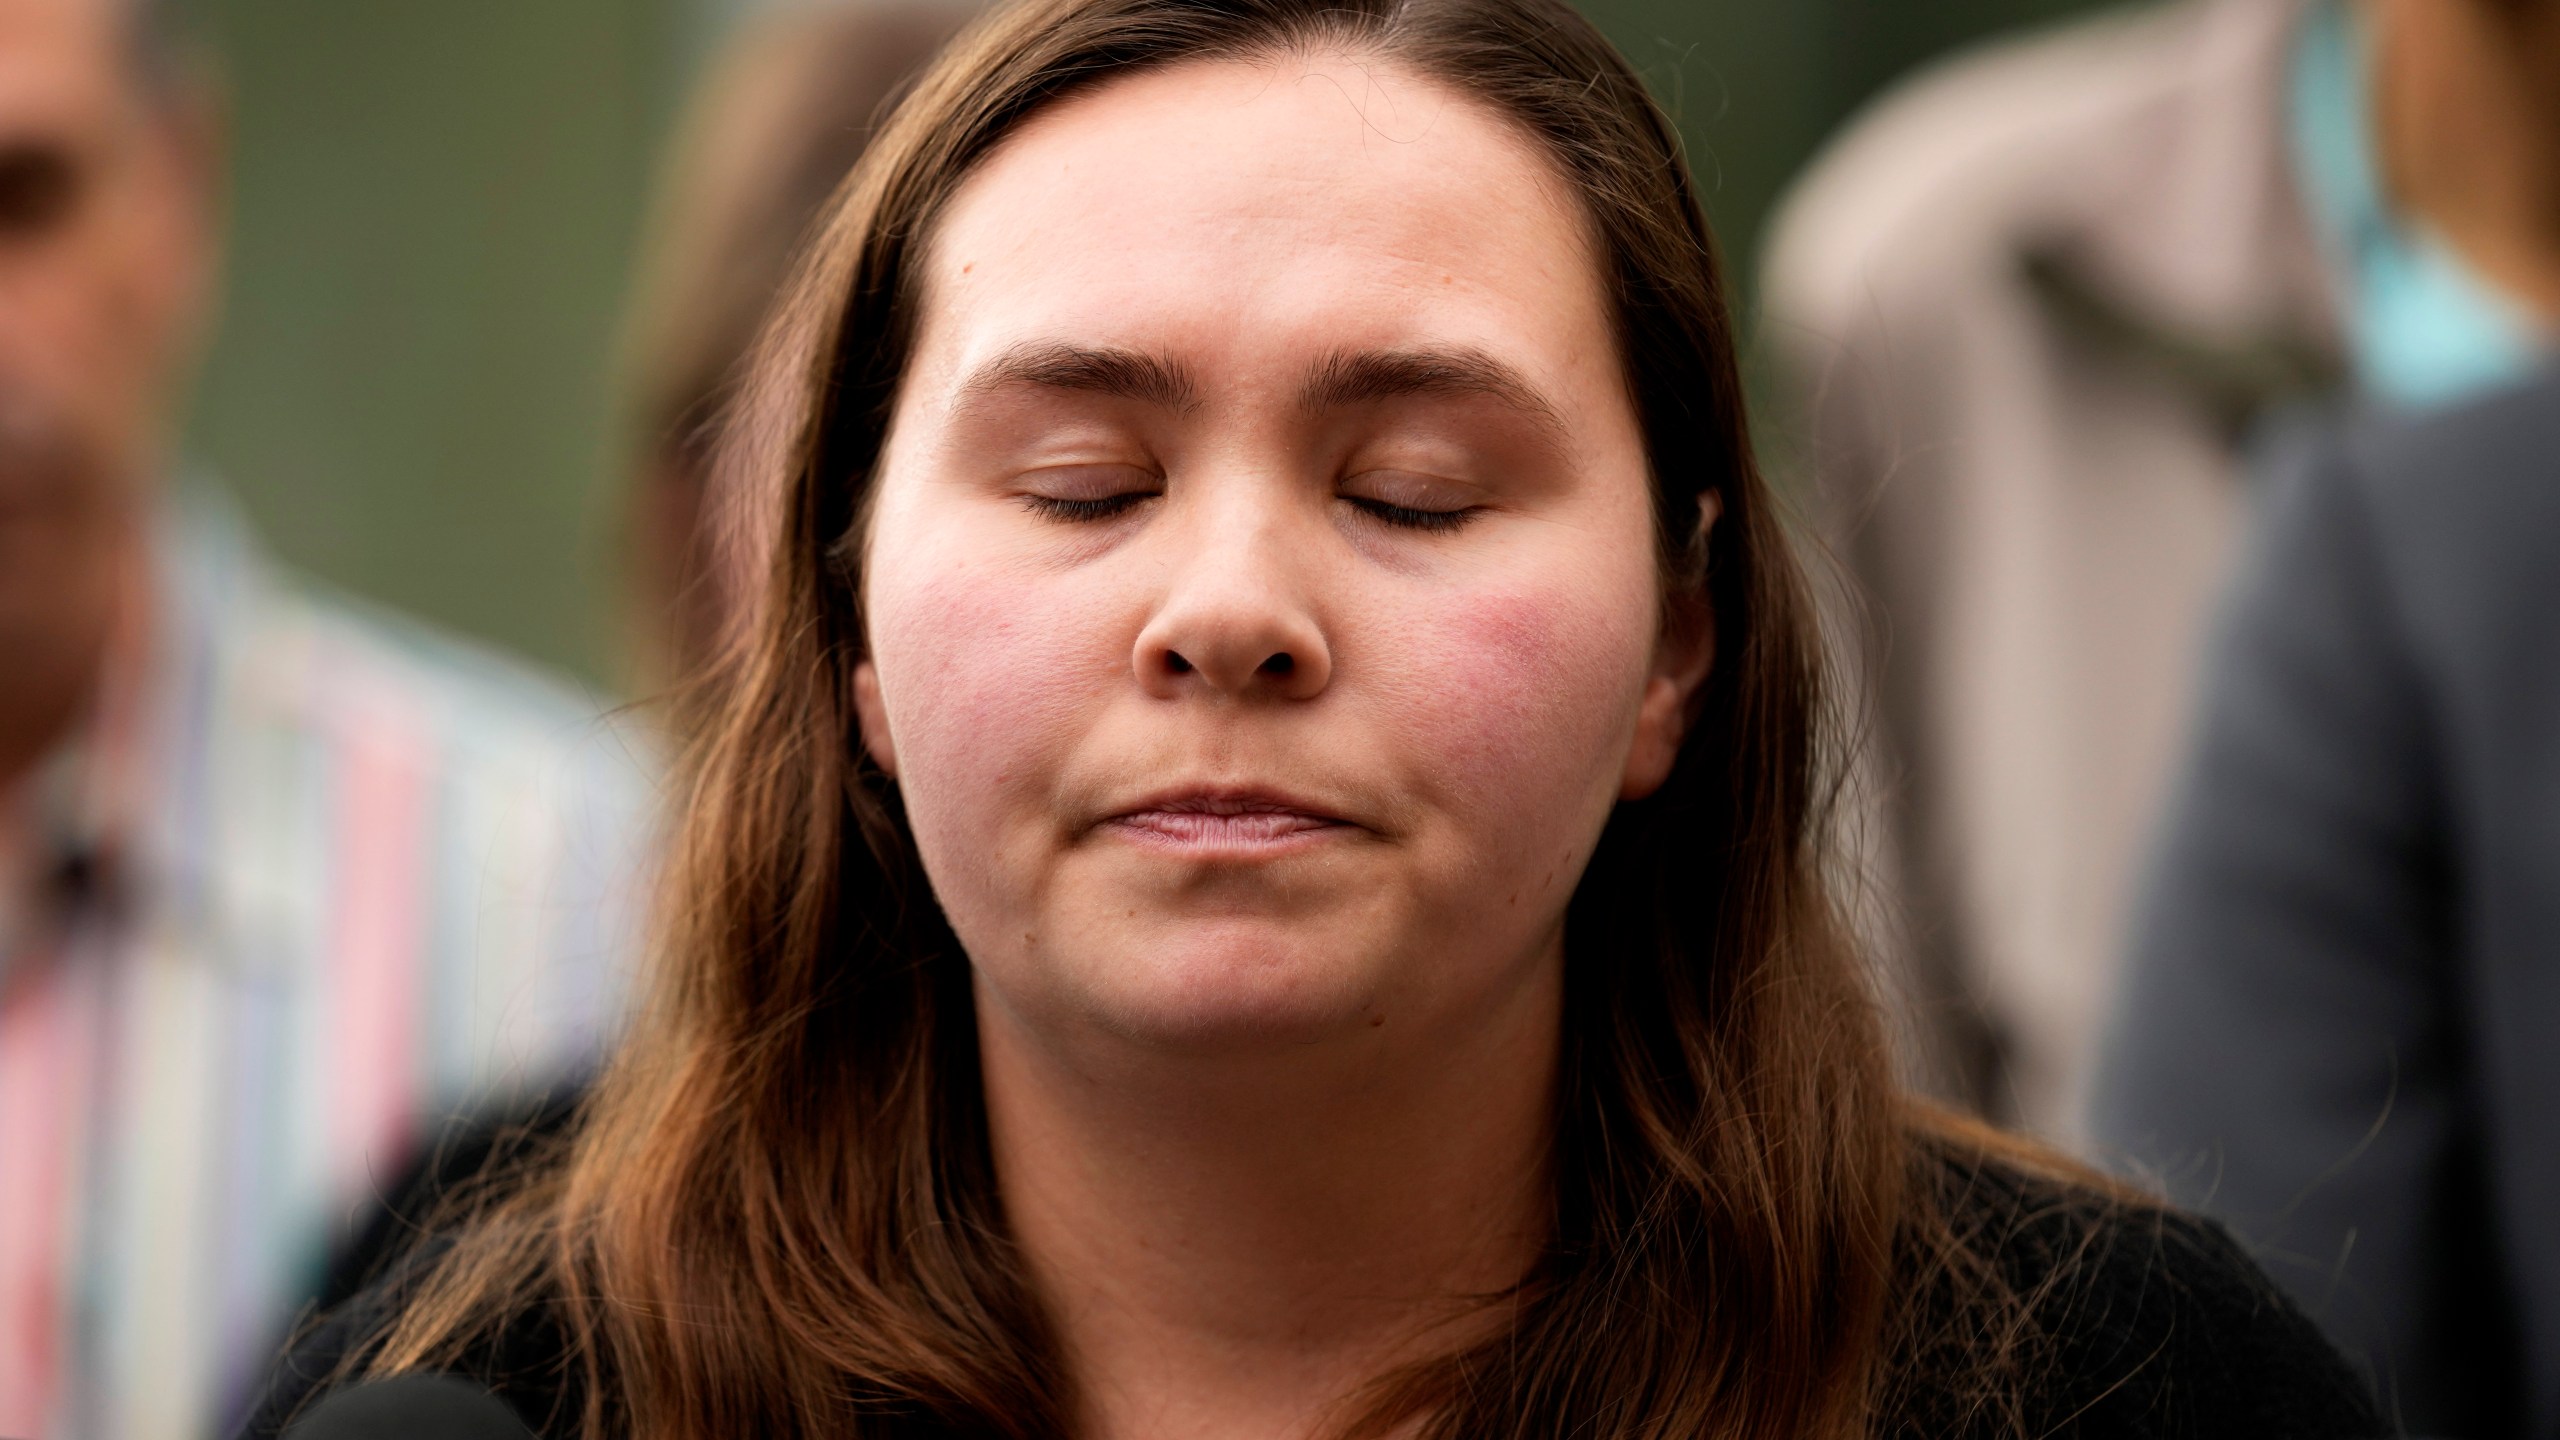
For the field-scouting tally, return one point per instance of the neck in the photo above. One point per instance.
(2468, 100)
(1236, 1245)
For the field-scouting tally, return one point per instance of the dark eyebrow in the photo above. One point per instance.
(1103, 370)
(1359, 377)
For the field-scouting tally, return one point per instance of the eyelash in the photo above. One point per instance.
(1103, 508)
(1403, 517)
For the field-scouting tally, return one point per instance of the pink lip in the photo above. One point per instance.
(1237, 822)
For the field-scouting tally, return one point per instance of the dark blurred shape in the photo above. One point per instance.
(2028, 313)
(476, 1154)
(476, 1158)
(411, 1407)
(765, 142)
(2345, 985)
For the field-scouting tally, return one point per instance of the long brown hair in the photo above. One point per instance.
(779, 1217)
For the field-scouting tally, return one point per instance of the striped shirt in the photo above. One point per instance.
(308, 879)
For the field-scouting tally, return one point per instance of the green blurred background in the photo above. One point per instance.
(434, 214)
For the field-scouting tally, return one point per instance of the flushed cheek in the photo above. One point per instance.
(988, 676)
(1515, 710)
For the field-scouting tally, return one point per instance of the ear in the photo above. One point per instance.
(1682, 659)
(874, 718)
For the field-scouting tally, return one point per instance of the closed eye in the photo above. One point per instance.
(1059, 507)
(1411, 499)
(1407, 517)
(1086, 493)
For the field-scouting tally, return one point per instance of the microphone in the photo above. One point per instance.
(411, 1407)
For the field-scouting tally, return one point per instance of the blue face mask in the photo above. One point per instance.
(2423, 328)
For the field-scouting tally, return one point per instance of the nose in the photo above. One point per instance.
(1237, 622)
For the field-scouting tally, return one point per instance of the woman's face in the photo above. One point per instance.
(1262, 597)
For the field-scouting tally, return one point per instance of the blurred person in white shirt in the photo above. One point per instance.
(283, 879)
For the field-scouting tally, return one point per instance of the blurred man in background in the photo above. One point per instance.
(2029, 311)
(280, 879)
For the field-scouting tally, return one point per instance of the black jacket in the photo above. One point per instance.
(2146, 1324)
(2341, 1032)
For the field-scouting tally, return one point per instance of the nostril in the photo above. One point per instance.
(1174, 662)
(1280, 664)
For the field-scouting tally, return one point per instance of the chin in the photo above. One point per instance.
(1229, 985)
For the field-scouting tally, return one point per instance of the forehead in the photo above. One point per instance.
(62, 61)
(1331, 201)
